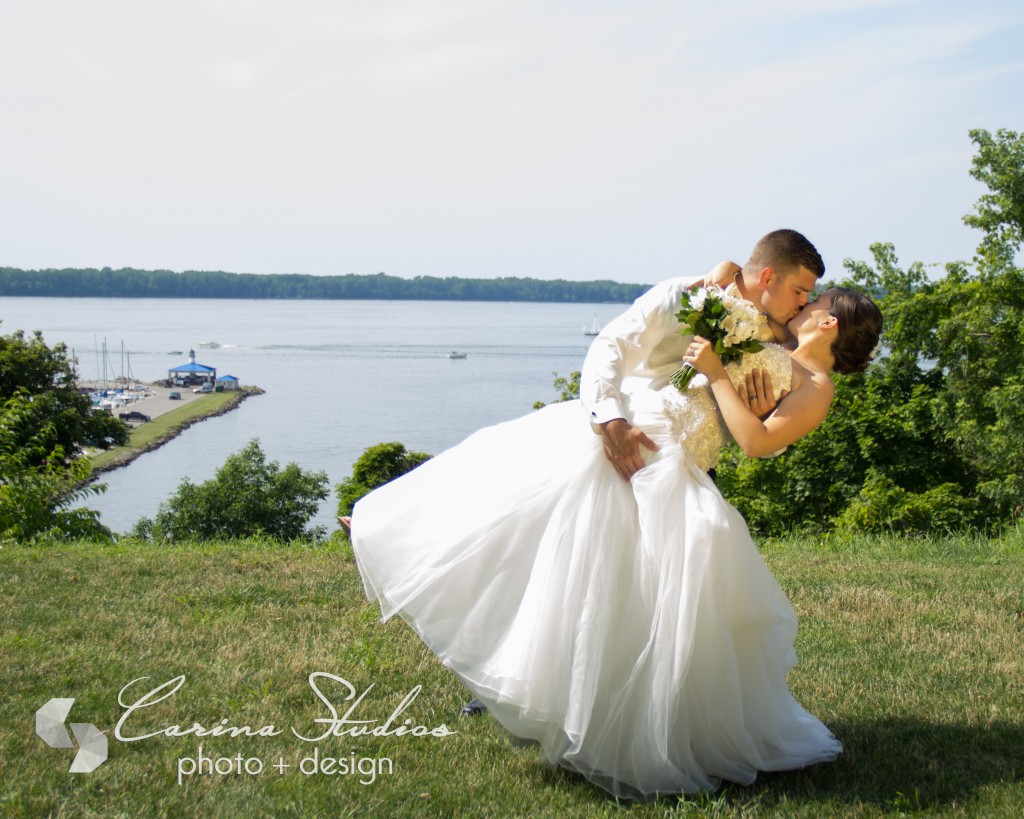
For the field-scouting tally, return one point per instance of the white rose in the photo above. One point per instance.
(747, 311)
(697, 299)
(748, 324)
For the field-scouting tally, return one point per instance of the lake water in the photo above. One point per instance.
(339, 376)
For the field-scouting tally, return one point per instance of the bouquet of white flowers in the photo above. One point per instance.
(730, 324)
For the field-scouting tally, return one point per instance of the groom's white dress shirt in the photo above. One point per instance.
(640, 349)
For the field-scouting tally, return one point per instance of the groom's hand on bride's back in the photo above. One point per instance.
(758, 394)
(622, 444)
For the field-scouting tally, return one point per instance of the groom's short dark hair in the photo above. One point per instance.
(787, 250)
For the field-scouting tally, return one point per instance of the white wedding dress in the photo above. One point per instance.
(632, 629)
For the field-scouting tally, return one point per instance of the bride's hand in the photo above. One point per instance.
(702, 357)
(722, 274)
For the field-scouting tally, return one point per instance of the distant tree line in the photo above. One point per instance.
(930, 438)
(129, 283)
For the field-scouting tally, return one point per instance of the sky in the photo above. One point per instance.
(579, 139)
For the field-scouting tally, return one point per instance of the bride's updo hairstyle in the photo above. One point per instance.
(860, 325)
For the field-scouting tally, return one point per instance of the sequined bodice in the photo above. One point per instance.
(693, 416)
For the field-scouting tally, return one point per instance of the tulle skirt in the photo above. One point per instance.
(632, 629)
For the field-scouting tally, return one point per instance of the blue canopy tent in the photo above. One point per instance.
(191, 373)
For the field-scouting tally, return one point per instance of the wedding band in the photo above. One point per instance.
(751, 396)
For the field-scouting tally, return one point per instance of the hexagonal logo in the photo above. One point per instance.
(92, 743)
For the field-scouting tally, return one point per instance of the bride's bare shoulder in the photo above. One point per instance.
(812, 380)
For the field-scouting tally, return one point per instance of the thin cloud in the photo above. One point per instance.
(509, 138)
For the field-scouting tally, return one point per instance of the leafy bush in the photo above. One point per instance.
(882, 423)
(45, 373)
(568, 389)
(247, 497)
(39, 485)
(377, 466)
(45, 424)
(883, 506)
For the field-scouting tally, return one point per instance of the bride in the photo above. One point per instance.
(629, 627)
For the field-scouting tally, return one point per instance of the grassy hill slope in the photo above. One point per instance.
(912, 651)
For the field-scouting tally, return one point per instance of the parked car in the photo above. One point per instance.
(204, 389)
(174, 395)
(134, 415)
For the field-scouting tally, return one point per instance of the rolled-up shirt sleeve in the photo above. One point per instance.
(624, 343)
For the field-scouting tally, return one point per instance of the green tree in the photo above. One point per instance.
(377, 466)
(882, 431)
(45, 426)
(248, 496)
(568, 389)
(39, 485)
(46, 374)
(931, 436)
(982, 330)
(999, 165)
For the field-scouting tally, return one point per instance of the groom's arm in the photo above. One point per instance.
(624, 344)
(622, 444)
(619, 348)
(616, 352)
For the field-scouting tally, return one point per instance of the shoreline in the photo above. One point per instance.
(111, 459)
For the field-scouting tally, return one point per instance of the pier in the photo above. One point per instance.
(168, 419)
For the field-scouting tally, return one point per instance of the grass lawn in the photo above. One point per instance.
(153, 433)
(912, 651)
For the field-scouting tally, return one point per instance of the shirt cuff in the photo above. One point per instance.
(606, 410)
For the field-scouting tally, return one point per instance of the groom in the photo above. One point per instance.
(643, 346)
